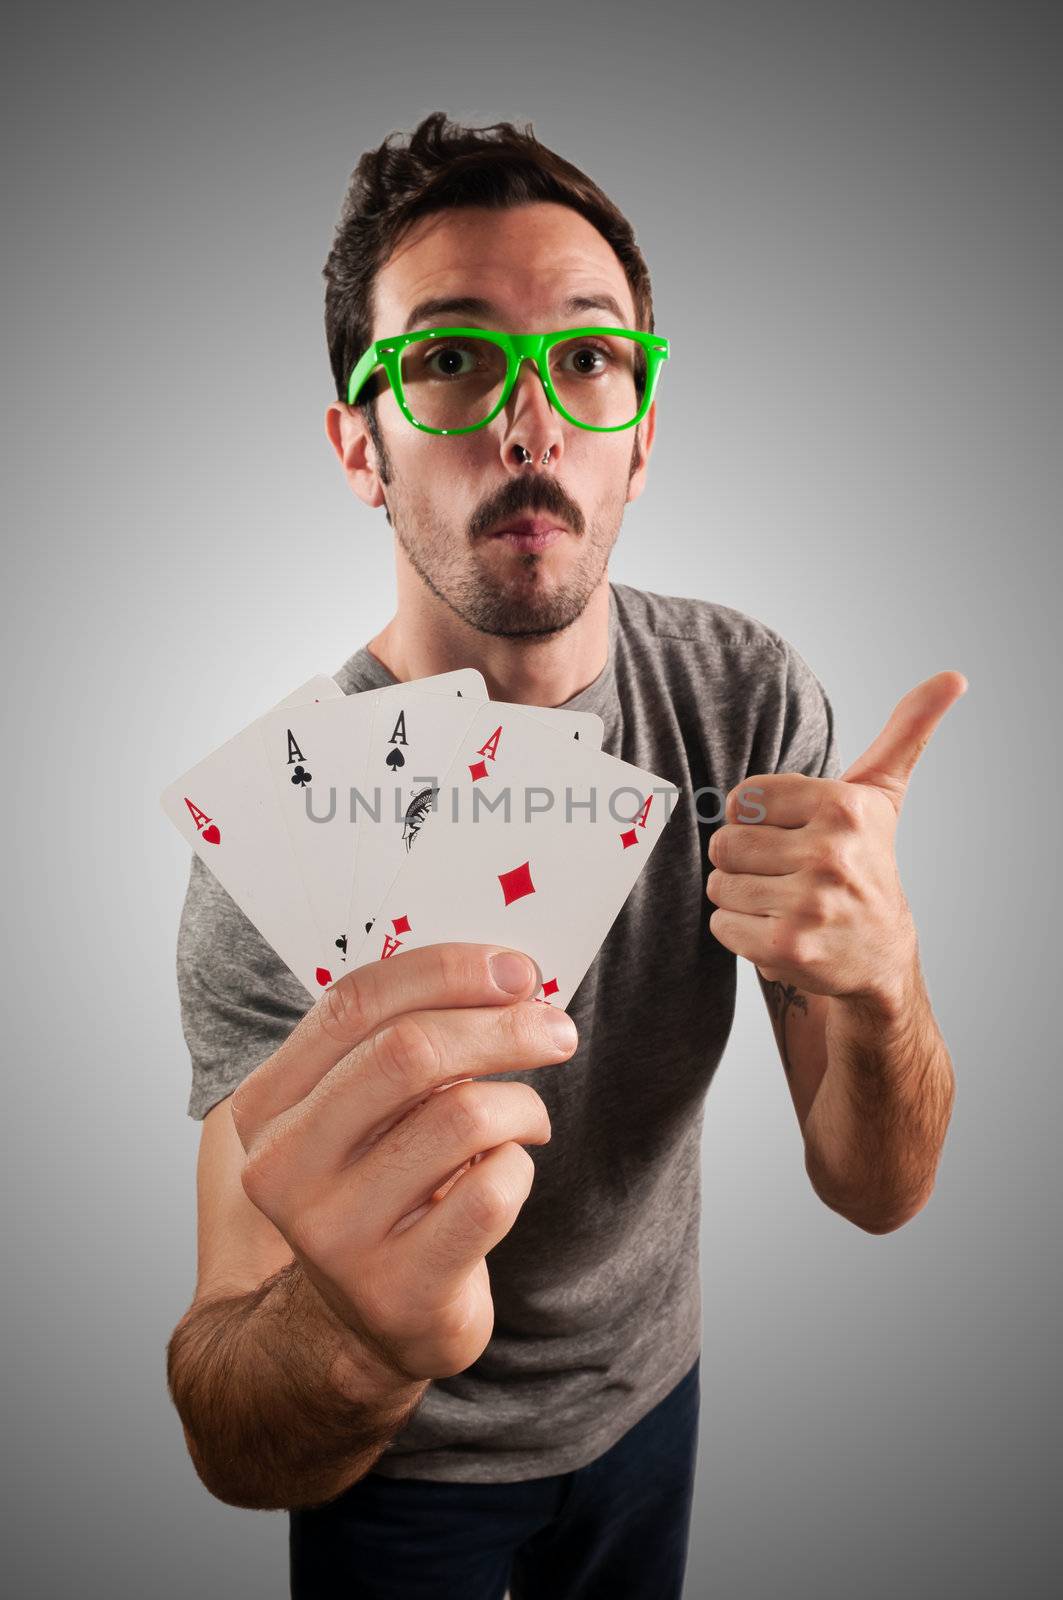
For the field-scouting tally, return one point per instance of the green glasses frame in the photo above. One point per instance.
(518, 347)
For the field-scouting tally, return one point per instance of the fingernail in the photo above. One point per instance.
(560, 1027)
(511, 972)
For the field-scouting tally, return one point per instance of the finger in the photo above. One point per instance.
(420, 1153)
(746, 935)
(357, 1004)
(401, 1065)
(778, 799)
(436, 1195)
(764, 848)
(888, 761)
(760, 895)
(444, 1246)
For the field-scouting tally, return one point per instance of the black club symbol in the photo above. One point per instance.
(300, 777)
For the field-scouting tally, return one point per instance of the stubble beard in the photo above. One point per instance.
(518, 605)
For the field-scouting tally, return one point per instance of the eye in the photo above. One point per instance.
(587, 358)
(456, 358)
(450, 360)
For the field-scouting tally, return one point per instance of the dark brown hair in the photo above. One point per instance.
(443, 166)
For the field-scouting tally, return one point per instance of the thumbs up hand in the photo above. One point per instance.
(804, 874)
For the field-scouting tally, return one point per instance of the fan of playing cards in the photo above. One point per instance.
(349, 827)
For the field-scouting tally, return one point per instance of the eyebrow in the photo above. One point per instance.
(473, 306)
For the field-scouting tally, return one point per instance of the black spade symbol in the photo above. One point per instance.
(395, 758)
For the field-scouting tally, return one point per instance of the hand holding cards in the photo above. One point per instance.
(390, 1191)
(348, 827)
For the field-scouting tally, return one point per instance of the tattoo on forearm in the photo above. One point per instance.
(781, 998)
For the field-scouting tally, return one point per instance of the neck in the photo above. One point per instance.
(426, 637)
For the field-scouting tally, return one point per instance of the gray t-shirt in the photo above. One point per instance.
(596, 1287)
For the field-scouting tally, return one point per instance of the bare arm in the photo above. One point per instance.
(799, 1022)
(873, 1087)
(279, 1406)
(874, 1136)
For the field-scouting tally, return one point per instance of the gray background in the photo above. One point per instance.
(852, 217)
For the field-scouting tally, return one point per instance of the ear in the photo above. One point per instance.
(349, 437)
(645, 430)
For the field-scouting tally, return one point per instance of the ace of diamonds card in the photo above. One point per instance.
(536, 844)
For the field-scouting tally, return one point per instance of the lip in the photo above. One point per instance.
(529, 533)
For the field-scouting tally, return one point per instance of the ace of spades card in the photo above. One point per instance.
(411, 745)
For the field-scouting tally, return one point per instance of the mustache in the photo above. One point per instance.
(522, 495)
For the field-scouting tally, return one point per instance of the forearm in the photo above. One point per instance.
(280, 1404)
(874, 1134)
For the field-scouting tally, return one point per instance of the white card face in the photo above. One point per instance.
(320, 687)
(316, 755)
(585, 727)
(226, 808)
(411, 746)
(540, 872)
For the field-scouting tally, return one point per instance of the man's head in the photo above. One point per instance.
(487, 214)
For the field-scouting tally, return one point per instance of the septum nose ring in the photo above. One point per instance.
(526, 455)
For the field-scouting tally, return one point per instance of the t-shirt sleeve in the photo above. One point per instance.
(238, 999)
(809, 744)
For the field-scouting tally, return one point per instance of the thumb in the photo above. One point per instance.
(888, 761)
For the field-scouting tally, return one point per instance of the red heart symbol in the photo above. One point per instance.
(323, 976)
(211, 835)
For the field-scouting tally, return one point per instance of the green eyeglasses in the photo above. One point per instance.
(455, 380)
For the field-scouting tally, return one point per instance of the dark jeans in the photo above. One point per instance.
(616, 1529)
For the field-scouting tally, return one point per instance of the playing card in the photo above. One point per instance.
(536, 843)
(316, 758)
(586, 727)
(411, 745)
(226, 808)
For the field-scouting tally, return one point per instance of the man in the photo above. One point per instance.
(438, 1423)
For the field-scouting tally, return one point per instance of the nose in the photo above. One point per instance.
(531, 423)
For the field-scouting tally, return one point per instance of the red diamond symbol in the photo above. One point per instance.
(551, 987)
(630, 837)
(401, 924)
(516, 884)
(479, 770)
